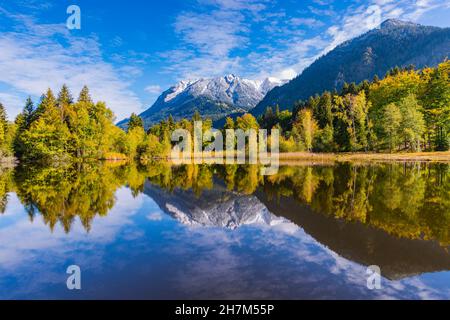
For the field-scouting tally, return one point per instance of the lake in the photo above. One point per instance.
(158, 231)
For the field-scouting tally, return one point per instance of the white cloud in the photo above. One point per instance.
(323, 2)
(310, 22)
(153, 89)
(41, 56)
(321, 11)
(223, 40)
(207, 41)
(12, 102)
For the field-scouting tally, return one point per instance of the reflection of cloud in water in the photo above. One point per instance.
(260, 256)
(155, 216)
(240, 264)
(225, 266)
(32, 243)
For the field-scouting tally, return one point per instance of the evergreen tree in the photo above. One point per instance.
(64, 101)
(134, 122)
(85, 95)
(64, 97)
(28, 112)
(3, 129)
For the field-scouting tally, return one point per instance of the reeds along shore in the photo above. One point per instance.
(418, 156)
(293, 157)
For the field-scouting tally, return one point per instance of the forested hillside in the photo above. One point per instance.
(395, 43)
(407, 110)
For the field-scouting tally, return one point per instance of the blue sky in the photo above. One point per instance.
(127, 52)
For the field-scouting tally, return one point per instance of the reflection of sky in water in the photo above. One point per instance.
(137, 251)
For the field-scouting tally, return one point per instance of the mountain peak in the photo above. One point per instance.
(214, 98)
(394, 43)
(396, 23)
(231, 77)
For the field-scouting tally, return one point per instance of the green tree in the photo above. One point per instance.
(46, 138)
(412, 127)
(61, 129)
(247, 121)
(134, 122)
(306, 128)
(391, 123)
(85, 96)
(64, 101)
(6, 133)
(436, 102)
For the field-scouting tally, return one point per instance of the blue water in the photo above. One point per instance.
(139, 251)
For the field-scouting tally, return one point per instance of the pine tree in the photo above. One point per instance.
(135, 122)
(64, 97)
(47, 104)
(3, 128)
(64, 101)
(28, 112)
(171, 123)
(85, 95)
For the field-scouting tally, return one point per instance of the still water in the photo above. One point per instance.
(157, 231)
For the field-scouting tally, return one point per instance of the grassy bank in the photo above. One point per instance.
(417, 156)
(299, 158)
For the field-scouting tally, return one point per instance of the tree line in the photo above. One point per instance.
(370, 194)
(408, 110)
(60, 128)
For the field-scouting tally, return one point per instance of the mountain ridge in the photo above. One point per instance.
(214, 98)
(393, 43)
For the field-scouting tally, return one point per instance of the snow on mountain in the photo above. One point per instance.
(218, 207)
(229, 89)
(214, 98)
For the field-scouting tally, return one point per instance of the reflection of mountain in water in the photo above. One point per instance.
(218, 207)
(398, 258)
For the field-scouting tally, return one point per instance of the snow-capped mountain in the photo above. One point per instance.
(214, 98)
(218, 207)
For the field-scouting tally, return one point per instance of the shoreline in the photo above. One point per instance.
(296, 158)
(435, 156)
(443, 156)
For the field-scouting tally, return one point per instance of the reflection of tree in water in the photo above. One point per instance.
(406, 200)
(5, 186)
(60, 194)
(244, 179)
(195, 177)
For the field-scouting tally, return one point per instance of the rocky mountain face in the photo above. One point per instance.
(394, 43)
(214, 98)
